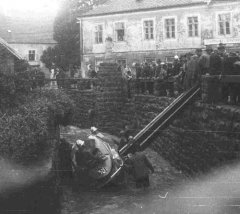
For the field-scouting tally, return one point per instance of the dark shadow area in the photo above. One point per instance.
(40, 197)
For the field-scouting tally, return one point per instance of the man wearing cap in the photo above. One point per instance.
(192, 71)
(223, 54)
(230, 69)
(176, 65)
(158, 68)
(204, 60)
(138, 76)
(215, 67)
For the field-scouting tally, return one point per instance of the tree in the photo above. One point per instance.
(66, 30)
(52, 55)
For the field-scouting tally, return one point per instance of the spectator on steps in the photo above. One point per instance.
(127, 74)
(91, 72)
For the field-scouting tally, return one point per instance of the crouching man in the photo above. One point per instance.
(140, 166)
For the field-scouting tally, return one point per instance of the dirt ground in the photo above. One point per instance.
(170, 192)
(126, 198)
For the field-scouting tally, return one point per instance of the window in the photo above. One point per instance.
(224, 24)
(148, 29)
(170, 28)
(122, 62)
(98, 34)
(120, 31)
(31, 55)
(193, 26)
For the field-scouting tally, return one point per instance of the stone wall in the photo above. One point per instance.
(202, 136)
(102, 105)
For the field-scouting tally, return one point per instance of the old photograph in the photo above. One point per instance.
(119, 106)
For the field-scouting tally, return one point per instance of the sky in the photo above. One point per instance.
(13, 7)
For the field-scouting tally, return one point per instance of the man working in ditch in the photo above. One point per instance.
(140, 167)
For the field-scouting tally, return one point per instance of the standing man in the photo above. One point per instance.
(158, 68)
(123, 140)
(52, 76)
(192, 75)
(176, 65)
(215, 67)
(204, 60)
(91, 72)
(141, 167)
(128, 76)
(138, 76)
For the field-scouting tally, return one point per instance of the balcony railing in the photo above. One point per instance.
(72, 83)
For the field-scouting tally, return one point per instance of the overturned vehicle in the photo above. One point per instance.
(93, 156)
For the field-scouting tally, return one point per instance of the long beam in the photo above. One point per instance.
(146, 135)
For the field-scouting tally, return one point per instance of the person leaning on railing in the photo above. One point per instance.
(229, 68)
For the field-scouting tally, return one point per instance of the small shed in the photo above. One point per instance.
(8, 57)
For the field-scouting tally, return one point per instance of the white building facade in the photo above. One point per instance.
(161, 32)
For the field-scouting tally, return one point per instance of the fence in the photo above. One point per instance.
(214, 88)
(72, 83)
(152, 86)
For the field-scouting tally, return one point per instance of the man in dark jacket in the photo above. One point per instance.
(138, 75)
(215, 63)
(141, 166)
(230, 69)
(176, 66)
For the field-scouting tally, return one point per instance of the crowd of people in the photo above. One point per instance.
(183, 73)
(187, 70)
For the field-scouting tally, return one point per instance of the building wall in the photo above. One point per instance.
(6, 61)
(23, 50)
(135, 48)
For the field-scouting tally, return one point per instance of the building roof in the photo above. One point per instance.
(5, 45)
(27, 30)
(126, 6)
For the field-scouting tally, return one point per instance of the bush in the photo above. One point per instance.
(14, 87)
(61, 107)
(26, 132)
(7, 90)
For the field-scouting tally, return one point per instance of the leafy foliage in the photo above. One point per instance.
(66, 31)
(26, 131)
(21, 66)
(53, 55)
(14, 87)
